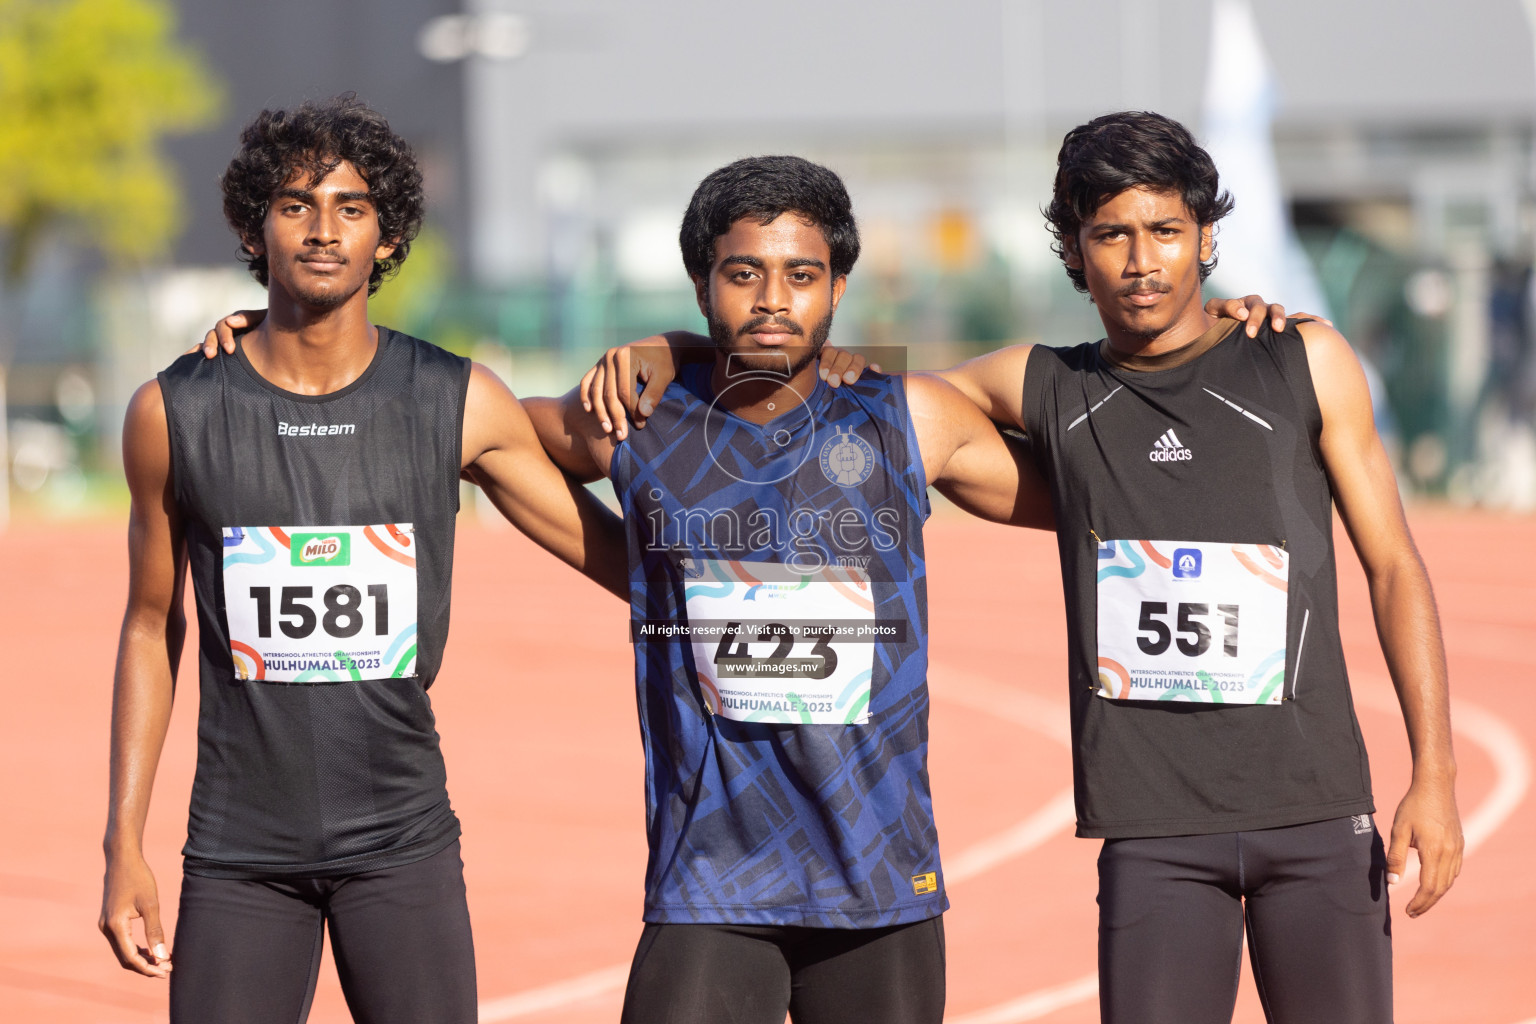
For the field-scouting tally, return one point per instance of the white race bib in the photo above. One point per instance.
(1191, 620)
(776, 644)
(321, 604)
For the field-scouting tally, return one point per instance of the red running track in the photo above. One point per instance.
(536, 711)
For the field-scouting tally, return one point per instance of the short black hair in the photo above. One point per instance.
(764, 187)
(1130, 149)
(316, 137)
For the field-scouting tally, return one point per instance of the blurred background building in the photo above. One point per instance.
(1380, 151)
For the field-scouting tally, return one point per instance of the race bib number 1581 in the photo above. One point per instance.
(1194, 621)
(321, 604)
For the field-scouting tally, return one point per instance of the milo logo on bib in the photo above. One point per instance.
(332, 549)
(349, 616)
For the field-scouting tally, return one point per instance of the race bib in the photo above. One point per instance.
(1195, 621)
(775, 644)
(321, 604)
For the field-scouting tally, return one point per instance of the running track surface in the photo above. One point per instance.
(536, 711)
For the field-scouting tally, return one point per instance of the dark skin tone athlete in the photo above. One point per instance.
(770, 285)
(780, 273)
(1141, 253)
(321, 240)
(609, 390)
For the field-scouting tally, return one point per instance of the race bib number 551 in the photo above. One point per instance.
(1193, 621)
(321, 604)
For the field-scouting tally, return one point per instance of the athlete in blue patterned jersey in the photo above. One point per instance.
(761, 510)
(780, 626)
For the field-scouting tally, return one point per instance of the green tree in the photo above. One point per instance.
(88, 89)
(409, 300)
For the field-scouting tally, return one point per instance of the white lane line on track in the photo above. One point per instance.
(550, 997)
(1034, 830)
(1512, 768)
(1035, 1005)
(1042, 716)
(1049, 718)
(1045, 717)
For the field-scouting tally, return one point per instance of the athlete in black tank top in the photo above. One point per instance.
(312, 483)
(1222, 448)
(1193, 471)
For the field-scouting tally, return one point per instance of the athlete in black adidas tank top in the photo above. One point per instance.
(1193, 471)
(312, 484)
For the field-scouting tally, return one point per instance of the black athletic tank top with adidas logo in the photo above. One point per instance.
(1222, 451)
(321, 762)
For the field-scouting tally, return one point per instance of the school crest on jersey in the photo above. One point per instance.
(847, 459)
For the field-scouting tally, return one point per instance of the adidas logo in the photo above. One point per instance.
(1169, 449)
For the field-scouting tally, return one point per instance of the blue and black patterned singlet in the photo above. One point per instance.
(821, 825)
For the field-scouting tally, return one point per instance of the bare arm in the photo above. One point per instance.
(971, 462)
(609, 390)
(1407, 622)
(627, 380)
(503, 455)
(995, 382)
(572, 436)
(148, 652)
(1252, 309)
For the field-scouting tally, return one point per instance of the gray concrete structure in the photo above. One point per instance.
(1372, 92)
(280, 52)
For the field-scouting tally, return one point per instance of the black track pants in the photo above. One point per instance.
(248, 952)
(753, 974)
(1313, 899)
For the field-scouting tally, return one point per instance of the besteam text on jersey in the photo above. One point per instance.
(314, 429)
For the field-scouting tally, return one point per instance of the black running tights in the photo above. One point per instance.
(248, 952)
(754, 974)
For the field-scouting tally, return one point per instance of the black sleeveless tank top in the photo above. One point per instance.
(307, 520)
(1221, 451)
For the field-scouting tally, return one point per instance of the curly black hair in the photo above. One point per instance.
(316, 137)
(763, 187)
(1130, 149)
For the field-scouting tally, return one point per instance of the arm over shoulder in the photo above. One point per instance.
(970, 461)
(573, 437)
(994, 383)
(503, 454)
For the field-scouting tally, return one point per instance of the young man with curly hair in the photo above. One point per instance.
(311, 483)
(1194, 475)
